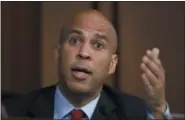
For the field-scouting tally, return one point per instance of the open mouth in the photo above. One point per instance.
(81, 73)
(80, 69)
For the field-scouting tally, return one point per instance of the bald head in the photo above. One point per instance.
(95, 20)
(94, 15)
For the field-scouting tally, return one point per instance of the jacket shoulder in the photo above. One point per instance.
(18, 105)
(128, 104)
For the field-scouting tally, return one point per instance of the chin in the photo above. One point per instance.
(79, 88)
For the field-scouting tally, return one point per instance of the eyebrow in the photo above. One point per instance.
(101, 36)
(97, 35)
(77, 31)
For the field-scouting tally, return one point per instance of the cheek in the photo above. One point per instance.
(102, 65)
(67, 55)
(68, 52)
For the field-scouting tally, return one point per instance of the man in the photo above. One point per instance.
(87, 56)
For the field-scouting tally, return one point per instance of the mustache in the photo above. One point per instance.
(82, 66)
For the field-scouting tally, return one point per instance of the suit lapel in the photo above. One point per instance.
(43, 104)
(105, 109)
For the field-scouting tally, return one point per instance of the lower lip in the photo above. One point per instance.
(80, 75)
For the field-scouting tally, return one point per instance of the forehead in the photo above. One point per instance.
(92, 23)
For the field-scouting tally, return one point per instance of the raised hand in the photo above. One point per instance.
(153, 78)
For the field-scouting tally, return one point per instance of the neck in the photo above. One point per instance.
(78, 99)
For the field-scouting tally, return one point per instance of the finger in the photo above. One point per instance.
(154, 57)
(147, 86)
(151, 77)
(155, 52)
(154, 68)
(151, 55)
(159, 64)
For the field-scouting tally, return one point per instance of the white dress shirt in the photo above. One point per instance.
(62, 107)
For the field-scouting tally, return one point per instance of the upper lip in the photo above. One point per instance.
(82, 69)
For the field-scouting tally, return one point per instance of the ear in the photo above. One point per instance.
(113, 63)
(56, 52)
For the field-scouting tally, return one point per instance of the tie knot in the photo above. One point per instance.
(77, 114)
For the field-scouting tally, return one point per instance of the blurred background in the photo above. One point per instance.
(30, 30)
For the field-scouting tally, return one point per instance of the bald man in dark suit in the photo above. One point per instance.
(86, 56)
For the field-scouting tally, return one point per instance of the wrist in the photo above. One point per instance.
(158, 111)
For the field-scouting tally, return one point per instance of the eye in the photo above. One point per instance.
(74, 40)
(98, 45)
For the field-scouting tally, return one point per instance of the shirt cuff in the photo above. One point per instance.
(167, 115)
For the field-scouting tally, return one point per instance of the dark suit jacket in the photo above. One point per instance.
(112, 105)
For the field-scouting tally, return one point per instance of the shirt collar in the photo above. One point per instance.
(62, 106)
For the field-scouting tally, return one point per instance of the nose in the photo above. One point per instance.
(84, 52)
